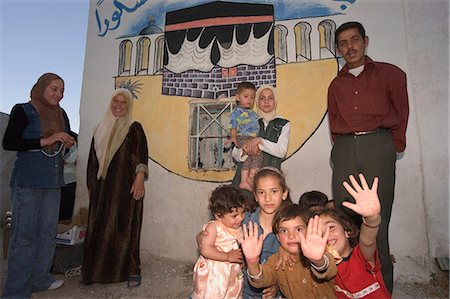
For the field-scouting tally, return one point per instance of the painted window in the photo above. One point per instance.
(280, 44)
(209, 121)
(327, 29)
(142, 56)
(303, 41)
(159, 56)
(125, 49)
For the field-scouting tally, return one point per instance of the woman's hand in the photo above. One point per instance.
(63, 137)
(251, 147)
(137, 189)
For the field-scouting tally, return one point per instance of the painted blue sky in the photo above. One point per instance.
(284, 10)
(39, 36)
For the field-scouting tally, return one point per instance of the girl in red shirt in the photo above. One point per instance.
(359, 269)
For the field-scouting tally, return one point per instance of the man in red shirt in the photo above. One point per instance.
(368, 113)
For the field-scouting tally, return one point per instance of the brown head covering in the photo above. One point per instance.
(50, 116)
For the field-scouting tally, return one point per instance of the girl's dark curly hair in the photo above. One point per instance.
(225, 198)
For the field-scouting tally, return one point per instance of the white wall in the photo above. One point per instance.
(410, 34)
(429, 85)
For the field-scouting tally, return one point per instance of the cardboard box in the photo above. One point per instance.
(74, 235)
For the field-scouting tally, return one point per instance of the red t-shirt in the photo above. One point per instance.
(356, 278)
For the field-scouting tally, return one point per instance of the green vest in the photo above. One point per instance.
(271, 133)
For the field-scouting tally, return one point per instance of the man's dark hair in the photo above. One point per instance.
(349, 25)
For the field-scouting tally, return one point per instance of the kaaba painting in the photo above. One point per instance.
(212, 47)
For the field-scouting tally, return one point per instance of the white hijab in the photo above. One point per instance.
(111, 132)
(267, 116)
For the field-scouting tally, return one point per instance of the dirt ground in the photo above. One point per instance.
(164, 278)
(161, 278)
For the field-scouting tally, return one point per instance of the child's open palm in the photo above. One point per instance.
(366, 199)
(313, 243)
(251, 243)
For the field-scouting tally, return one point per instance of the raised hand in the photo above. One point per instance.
(313, 243)
(251, 243)
(367, 202)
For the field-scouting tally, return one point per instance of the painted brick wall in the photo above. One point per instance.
(220, 82)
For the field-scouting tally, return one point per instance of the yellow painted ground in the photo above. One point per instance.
(301, 94)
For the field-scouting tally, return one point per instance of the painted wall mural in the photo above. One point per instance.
(182, 60)
(214, 46)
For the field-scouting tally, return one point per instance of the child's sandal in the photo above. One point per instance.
(134, 281)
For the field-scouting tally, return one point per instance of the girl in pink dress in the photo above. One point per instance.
(218, 273)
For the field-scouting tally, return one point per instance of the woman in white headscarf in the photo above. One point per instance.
(117, 168)
(273, 137)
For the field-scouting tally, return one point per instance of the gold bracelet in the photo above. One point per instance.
(374, 226)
